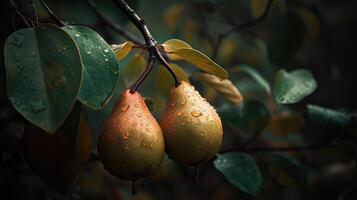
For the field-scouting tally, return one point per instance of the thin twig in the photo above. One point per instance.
(151, 43)
(53, 16)
(252, 22)
(109, 22)
(240, 27)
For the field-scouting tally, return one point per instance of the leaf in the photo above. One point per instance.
(285, 123)
(327, 122)
(133, 69)
(121, 50)
(172, 16)
(201, 61)
(254, 74)
(249, 115)
(100, 66)
(44, 73)
(164, 79)
(291, 87)
(172, 45)
(224, 87)
(241, 170)
(286, 170)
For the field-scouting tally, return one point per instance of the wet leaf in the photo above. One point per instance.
(44, 72)
(241, 170)
(291, 87)
(326, 122)
(100, 66)
(121, 50)
(201, 61)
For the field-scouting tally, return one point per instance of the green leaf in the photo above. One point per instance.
(121, 50)
(164, 79)
(248, 115)
(133, 69)
(286, 170)
(291, 87)
(254, 74)
(44, 73)
(201, 61)
(241, 170)
(100, 66)
(327, 122)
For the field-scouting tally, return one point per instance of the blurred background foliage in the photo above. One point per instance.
(303, 151)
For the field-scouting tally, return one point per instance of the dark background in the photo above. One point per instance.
(324, 44)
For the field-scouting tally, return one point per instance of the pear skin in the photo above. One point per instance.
(192, 128)
(131, 144)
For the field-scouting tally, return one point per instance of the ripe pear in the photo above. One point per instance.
(53, 157)
(192, 128)
(131, 144)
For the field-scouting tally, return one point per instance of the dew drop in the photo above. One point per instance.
(64, 48)
(126, 147)
(88, 52)
(151, 144)
(136, 105)
(189, 119)
(106, 59)
(183, 102)
(77, 35)
(134, 124)
(147, 129)
(106, 50)
(196, 113)
(99, 47)
(139, 115)
(126, 135)
(179, 113)
(125, 108)
(173, 104)
(144, 142)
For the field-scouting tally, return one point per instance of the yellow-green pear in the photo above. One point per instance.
(192, 128)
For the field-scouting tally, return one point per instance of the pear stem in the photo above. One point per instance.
(142, 77)
(134, 187)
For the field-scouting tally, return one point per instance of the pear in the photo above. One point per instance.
(131, 144)
(192, 128)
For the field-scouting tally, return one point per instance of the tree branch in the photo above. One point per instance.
(151, 43)
(109, 22)
(252, 22)
(53, 16)
(240, 27)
